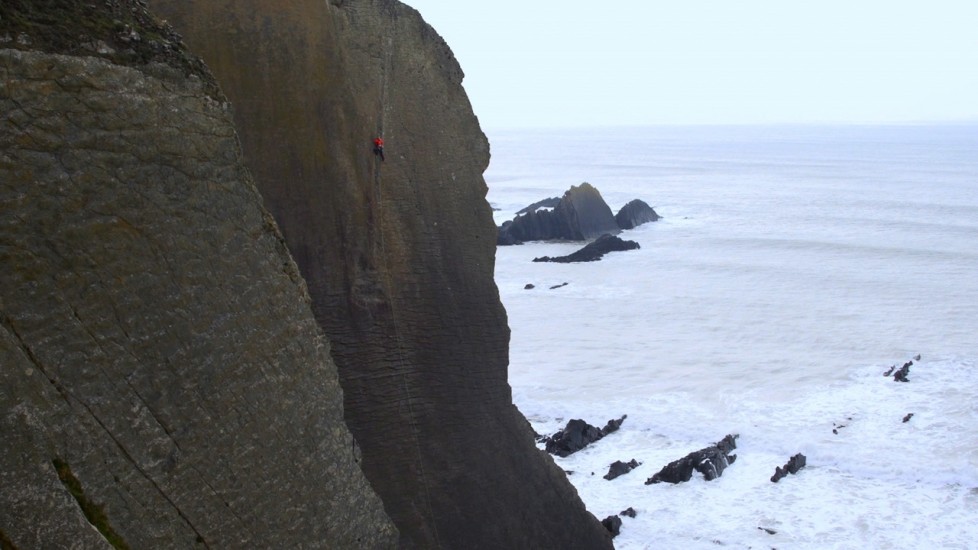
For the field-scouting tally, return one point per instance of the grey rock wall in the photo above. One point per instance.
(162, 376)
(398, 256)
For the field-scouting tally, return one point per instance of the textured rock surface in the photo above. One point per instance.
(581, 214)
(398, 256)
(578, 434)
(634, 214)
(710, 461)
(157, 347)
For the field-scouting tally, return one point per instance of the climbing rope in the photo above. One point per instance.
(387, 67)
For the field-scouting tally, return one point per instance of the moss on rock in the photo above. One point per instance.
(122, 31)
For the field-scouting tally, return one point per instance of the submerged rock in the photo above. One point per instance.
(577, 435)
(710, 461)
(594, 251)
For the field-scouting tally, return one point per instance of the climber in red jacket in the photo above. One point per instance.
(379, 147)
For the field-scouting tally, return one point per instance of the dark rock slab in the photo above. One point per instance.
(634, 214)
(907, 418)
(163, 380)
(901, 374)
(709, 461)
(612, 524)
(619, 468)
(397, 256)
(794, 464)
(580, 214)
(577, 435)
(594, 251)
(630, 512)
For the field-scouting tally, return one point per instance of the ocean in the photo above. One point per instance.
(792, 267)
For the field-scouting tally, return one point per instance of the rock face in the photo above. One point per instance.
(581, 214)
(594, 250)
(398, 256)
(634, 214)
(162, 376)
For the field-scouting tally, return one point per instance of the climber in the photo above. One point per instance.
(379, 147)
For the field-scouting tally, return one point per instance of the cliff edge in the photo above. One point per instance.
(398, 256)
(163, 381)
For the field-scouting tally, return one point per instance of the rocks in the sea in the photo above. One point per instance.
(768, 530)
(630, 512)
(580, 214)
(710, 461)
(577, 435)
(634, 214)
(794, 464)
(545, 203)
(907, 418)
(619, 468)
(529, 286)
(836, 427)
(613, 525)
(559, 286)
(901, 374)
(594, 251)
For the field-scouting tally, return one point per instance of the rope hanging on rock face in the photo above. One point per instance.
(386, 68)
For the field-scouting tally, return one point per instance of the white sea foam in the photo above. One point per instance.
(792, 267)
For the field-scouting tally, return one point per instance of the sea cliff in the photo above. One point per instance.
(163, 353)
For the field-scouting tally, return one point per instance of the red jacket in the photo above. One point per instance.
(379, 142)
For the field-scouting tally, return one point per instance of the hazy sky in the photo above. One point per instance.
(577, 63)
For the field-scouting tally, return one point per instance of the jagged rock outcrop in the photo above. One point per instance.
(594, 250)
(619, 468)
(794, 464)
(710, 461)
(634, 214)
(163, 381)
(578, 434)
(548, 204)
(398, 256)
(581, 214)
